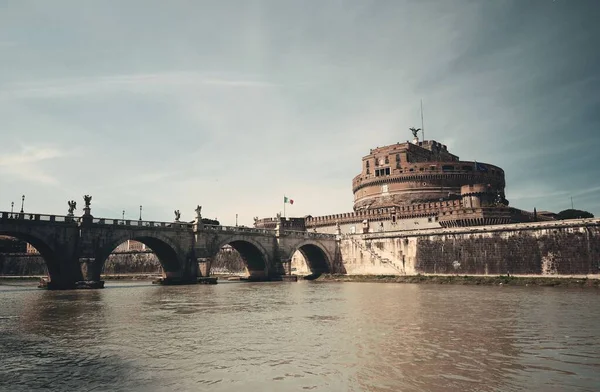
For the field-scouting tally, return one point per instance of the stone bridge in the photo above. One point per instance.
(76, 248)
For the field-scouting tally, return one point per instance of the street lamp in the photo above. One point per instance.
(140, 212)
(12, 204)
(22, 202)
(123, 215)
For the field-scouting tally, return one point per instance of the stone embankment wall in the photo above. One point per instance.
(22, 265)
(547, 248)
(118, 263)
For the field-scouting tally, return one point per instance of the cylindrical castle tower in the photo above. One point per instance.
(419, 172)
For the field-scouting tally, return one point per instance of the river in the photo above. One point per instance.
(302, 336)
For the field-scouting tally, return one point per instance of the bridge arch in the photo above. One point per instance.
(317, 257)
(48, 254)
(165, 250)
(252, 252)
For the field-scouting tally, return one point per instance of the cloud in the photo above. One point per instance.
(134, 83)
(28, 165)
(28, 155)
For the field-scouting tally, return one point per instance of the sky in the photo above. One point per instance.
(233, 104)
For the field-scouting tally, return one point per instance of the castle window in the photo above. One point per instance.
(376, 172)
(367, 163)
(467, 168)
(387, 160)
(397, 157)
(447, 168)
(368, 171)
(387, 171)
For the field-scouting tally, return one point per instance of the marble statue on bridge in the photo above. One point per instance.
(72, 207)
(177, 215)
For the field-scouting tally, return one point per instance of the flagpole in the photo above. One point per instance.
(422, 124)
(284, 206)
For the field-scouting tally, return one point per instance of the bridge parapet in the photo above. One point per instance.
(16, 216)
(4, 215)
(238, 229)
(307, 234)
(141, 223)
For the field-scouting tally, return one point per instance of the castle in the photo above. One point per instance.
(417, 185)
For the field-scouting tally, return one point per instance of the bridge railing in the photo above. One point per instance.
(238, 229)
(308, 234)
(5, 215)
(140, 223)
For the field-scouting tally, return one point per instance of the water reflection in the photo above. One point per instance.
(304, 336)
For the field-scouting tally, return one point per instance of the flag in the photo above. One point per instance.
(287, 200)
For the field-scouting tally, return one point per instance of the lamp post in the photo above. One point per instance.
(123, 215)
(12, 204)
(140, 212)
(22, 202)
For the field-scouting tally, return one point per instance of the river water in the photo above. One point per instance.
(299, 336)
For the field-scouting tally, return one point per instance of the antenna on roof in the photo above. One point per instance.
(422, 124)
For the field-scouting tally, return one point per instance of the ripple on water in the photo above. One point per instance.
(303, 336)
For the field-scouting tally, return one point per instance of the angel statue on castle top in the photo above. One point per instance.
(414, 131)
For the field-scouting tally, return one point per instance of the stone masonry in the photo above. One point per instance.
(566, 248)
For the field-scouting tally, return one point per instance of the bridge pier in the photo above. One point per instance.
(91, 270)
(204, 264)
(287, 266)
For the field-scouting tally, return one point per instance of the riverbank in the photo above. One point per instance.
(501, 280)
(141, 277)
(149, 277)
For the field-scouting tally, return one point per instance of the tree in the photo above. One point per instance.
(574, 214)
